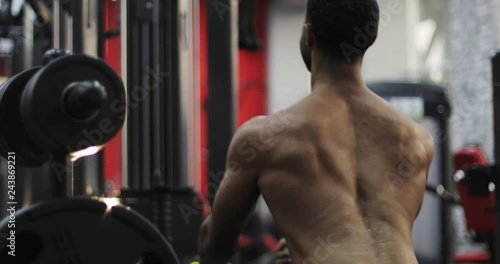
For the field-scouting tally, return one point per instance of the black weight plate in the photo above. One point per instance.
(13, 135)
(84, 231)
(43, 110)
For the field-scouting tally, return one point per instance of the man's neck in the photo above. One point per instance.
(333, 76)
(341, 79)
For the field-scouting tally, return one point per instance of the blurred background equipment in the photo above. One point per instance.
(192, 73)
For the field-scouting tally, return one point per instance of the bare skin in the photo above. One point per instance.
(342, 172)
(344, 179)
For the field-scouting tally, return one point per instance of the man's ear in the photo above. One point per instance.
(308, 33)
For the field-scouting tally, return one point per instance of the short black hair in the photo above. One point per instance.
(344, 28)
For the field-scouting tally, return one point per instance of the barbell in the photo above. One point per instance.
(69, 103)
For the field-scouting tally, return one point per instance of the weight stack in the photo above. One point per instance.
(177, 213)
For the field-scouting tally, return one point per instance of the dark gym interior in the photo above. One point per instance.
(116, 117)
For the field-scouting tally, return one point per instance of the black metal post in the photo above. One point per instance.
(77, 14)
(496, 123)
(139, 145)
(101, 28)
(247, 28)
(220, 88)
(447, 182)
(170, 103)
(153, 94)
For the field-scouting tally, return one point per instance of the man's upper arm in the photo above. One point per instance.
(238, 191)
(429, 148)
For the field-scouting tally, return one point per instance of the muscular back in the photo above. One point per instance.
(344, 178)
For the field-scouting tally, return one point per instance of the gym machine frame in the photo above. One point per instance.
(159, 69)
(158, 59)
(496, 122)
(479, 177)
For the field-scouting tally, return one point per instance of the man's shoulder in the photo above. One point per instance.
(262, 136)
(423, 142)
(427, 140)
(274, 123)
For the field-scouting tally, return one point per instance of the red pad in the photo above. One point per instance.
(112, 52)
(245, 241)
(269, 241)
(478, 209)
(472, 257)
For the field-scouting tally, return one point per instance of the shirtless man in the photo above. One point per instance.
(342, 172)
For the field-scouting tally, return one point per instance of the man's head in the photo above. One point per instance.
(342, 30)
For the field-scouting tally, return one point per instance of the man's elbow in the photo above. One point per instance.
(209, 249)
(203, 239)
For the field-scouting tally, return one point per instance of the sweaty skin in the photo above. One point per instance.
(343, 174)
